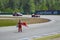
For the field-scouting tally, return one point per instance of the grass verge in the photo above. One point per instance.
(14, 21)
(48, 37)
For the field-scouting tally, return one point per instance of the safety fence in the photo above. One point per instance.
(48, 12)
(41, 12)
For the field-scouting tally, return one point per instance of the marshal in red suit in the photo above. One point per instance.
(20, 25)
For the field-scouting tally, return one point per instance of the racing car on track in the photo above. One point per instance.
(35, 15)
(17, 14)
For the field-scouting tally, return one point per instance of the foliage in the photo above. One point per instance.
(8, 10)
(16, 10)
(28, 6)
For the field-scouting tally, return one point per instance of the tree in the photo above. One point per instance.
(26, 6)
(11, 4)
(32, 6)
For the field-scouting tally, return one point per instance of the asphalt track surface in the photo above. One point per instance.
(10, 33)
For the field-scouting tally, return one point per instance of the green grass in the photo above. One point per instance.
(7, 22)
(48, 37)
(12, 22)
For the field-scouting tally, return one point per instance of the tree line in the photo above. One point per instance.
(27, 6)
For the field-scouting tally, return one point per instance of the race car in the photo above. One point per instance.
(35, 15)
(17, 14)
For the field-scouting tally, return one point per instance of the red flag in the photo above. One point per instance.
(24, 24)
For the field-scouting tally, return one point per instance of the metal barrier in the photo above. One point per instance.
(6, 13)
(48, 12)
(41, 12)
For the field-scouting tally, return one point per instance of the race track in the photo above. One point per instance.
(10, 33)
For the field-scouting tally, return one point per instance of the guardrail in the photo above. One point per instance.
(48, 12)
(6, 13)
(41, 12)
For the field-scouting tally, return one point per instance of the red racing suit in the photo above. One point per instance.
(19, 27)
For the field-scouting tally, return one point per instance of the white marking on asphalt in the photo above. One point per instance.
(33, 37)
(25, 39)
